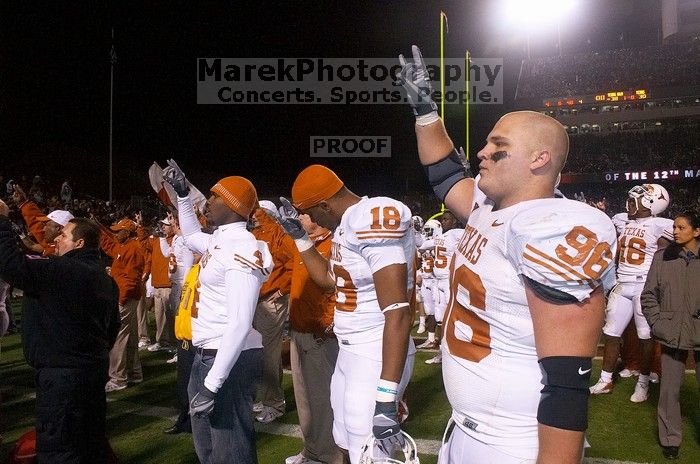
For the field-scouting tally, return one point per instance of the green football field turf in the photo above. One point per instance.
(618, 429)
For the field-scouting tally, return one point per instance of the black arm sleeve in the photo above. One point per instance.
(444, 174)
(549, 294)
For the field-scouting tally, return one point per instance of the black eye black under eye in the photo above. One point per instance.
(499, 155)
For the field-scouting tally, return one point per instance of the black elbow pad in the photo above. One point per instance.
(444, 174)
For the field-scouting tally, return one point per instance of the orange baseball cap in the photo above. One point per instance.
(124, 224)
(313, 185)
(238, 193)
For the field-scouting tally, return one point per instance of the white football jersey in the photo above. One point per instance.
(490, 364)
(373, 234)
(620, 220)
(637, 243)
(418, 238)
(231, 247)
(445, 245)
(426, 269)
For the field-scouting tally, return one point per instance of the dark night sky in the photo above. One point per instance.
(54, 84)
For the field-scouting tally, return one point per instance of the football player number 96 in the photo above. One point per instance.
(582, 249)
(593, 256)
(461, 317)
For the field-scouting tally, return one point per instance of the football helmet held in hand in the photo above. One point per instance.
(407, 454)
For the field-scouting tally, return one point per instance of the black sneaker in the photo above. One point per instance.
(670, 452)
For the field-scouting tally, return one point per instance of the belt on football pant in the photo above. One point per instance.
(206, 351)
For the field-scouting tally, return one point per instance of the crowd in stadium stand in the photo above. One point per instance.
(50, 196)
(611, 197)
(676, 148)
(601, 71)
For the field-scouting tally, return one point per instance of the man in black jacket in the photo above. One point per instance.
(70, 322)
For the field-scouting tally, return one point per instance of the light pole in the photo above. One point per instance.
(112, 62)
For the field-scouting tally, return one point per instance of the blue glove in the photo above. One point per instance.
(176, 178)
(385, 427)
(203, 402)
(415, 80)
(289, 220)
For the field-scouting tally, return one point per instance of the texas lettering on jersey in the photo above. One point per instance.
(445, 245)
(492, 377)
(471, 243)
(637, 243)
(373, 234)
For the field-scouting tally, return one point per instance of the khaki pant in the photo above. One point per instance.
(669, 409)
(313, 363)
(142, 317)
(124, 364)
(270, 317)
(165, 328)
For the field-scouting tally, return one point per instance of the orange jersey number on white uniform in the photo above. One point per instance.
(492, 377)
(373, 234)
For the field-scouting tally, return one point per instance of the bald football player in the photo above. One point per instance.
(526, 286)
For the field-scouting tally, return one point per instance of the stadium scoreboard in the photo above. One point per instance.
(607, 97)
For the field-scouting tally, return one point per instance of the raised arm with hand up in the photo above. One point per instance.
(415, 80)
(176, 178)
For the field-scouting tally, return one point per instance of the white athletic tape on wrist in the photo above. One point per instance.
(304, 243)
(427, 119)
(387, 391)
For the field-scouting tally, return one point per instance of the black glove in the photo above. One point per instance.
(176, 178)
(203, 402)
(385, 427)
(17, 229)
(289, 220)
(415, 79)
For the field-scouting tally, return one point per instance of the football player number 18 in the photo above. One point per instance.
(582, 249)
(390, 218)
(345, 290)
(386, 218)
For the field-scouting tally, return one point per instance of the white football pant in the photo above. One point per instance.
(426, 291)
(461, 448)
(353, 397)
(442, 296)
(624, 303)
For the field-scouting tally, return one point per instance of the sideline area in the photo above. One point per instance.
(620, 432)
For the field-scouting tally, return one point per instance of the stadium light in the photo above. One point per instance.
(533, 13)
(529, 16)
